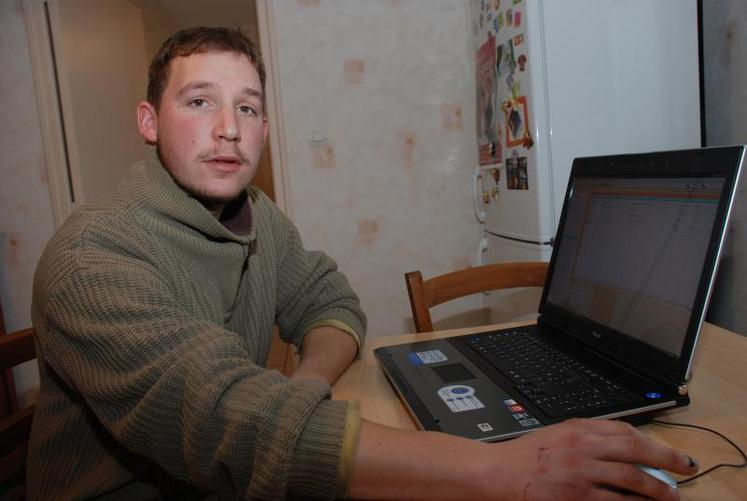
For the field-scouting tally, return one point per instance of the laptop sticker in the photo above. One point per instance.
(460, 398)
(484, 427)
(519, 413)
(519, 416)
(426, 357)
(529, 422)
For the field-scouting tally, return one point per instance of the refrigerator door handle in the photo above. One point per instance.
(480, 211)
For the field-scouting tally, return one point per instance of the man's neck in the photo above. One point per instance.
(215, 209)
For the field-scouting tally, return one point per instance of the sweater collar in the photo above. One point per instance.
(156, 190)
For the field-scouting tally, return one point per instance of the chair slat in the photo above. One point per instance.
(425, 294)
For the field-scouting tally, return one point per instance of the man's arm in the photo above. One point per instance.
(578, 459)
(310, 289)
(326, 352)
(111, 328)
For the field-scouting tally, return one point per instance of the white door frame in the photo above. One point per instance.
(273, 103)
(44, 69)
(60, 151)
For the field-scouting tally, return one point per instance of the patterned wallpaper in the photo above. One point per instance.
(378, 117)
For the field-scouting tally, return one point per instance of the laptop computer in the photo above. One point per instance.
(629, 280)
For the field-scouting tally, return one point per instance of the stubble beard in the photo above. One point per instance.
(200, 193)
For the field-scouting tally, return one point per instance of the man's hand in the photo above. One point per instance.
(325, 354)
(578, 459)
(588, 459)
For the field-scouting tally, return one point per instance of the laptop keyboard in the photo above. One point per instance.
(556, 383)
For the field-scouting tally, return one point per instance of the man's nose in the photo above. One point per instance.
(227, 127)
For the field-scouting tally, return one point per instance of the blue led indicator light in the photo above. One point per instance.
(653, 394)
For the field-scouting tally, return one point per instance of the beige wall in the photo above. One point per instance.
(25, 208)
(389, 88)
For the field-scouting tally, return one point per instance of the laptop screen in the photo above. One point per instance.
(633, 252)
(636, 252)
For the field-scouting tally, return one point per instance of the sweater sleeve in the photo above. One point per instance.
(311, 291)
(183, 391)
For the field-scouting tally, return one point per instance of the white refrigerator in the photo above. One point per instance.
(559, 79)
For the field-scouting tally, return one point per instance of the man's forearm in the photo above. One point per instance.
(325, 354)
(578, 459)
(403, 464)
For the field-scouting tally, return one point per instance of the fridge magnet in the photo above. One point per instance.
(516, 89)
(486, 101)
(505, 61)
(517, 2)
(527, 141)
(498, 150)
(522, 62)
(517, 18)
(495, 191)
(519, 39)
(500, 65)
(489, 153)
(511, 173)
(509, 17)
(516, 119)
(521, 170)
(516, 173)
(497, 4)
(500, 19)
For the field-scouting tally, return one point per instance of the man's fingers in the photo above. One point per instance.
(636, 448)
(618, 441)
(628, 478)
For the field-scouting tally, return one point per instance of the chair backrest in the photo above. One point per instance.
(15, 423)
(425, 294)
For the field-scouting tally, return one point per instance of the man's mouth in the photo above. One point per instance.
(228, 163)
(228, 159)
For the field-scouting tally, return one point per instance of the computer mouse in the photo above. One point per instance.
(657, 473)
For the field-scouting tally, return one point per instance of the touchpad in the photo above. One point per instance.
(452, 373)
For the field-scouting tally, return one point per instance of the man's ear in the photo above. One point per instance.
(147, 122)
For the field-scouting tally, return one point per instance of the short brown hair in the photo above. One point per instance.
(195, 40)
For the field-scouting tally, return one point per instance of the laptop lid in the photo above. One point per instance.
(636, 253)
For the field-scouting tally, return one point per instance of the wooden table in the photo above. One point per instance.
(718, 391)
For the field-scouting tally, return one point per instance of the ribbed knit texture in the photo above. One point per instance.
(154, 321)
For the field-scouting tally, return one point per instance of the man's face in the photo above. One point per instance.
(210, 126)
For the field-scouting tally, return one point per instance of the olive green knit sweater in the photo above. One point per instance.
(154, 320)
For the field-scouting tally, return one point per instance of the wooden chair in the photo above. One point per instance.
(15, 423)
(425, 294)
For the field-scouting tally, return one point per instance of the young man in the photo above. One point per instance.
(154, 315)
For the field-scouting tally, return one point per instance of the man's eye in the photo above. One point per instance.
(250, 110)
(197, 102)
